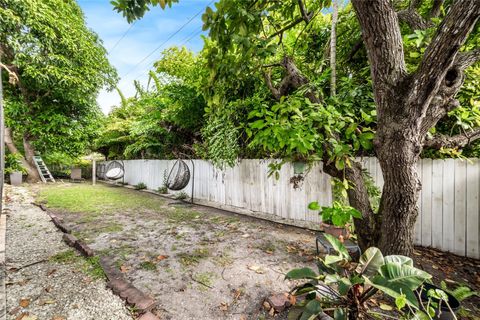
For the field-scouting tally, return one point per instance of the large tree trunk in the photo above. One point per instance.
(408, 105)
(32, 172)
(398, 154)
(29, 149)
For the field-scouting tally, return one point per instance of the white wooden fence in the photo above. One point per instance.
(449, 203)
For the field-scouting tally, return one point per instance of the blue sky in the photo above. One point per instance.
(146, 34)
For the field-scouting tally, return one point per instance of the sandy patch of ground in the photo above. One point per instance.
(196, 262)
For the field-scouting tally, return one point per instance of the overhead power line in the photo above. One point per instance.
(166, 41)
(121, 38)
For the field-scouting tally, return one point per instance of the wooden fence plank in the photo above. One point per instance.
(437, 203)
(448, 205)
(426, 208)
(460, 206)
(473, 209)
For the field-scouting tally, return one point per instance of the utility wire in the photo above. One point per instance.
(165, 42)
(121, 38)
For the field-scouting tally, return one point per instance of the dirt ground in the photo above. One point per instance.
(196, 261)
(200, 262)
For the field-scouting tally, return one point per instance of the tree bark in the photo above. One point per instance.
(409, 105)
(29, 150)
(32, 172)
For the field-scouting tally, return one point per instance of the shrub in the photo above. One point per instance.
(140, 186)
(181, 196)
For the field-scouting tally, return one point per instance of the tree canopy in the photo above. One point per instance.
(60, 65)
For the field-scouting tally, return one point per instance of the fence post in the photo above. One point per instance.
(94, 170)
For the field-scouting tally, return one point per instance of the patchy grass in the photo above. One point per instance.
(181, 215)
(223, 260)
(205, 278)
(68, 256)
(148, 265)
(192, 259)
(90, 266)
(267, 246)
(82, 198)
(93, 268)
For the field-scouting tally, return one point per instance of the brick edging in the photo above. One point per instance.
(119, 285)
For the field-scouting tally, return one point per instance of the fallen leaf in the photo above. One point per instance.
(44, 302)
(161, 257)
(24, 303)
(224, 306)
(123, 268)
(385, 307)
(257, 269)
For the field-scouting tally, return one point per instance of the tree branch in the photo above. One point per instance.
(287, 27)
(442, 51)
(413, 19)
(466, 59)
(457, 141)
(435, 10)
(305, 15)
(385, 48)
(12, 76)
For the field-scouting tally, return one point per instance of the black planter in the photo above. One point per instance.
(444, 313)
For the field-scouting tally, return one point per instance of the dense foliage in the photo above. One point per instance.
(241, 59)
(163, 119)
(60, 65)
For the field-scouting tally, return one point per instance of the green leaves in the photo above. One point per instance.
(303, 273)
(338, 214)
(370, 261)
(400, 279)
(312, 309)
(338, 246)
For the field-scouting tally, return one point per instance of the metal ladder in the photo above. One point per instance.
(45, 174)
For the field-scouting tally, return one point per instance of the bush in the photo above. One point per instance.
(163, 190)
(140, 186)
(13, 164)
(181, 196)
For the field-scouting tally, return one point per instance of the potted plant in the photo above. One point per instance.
(14, 168)
(335, 219)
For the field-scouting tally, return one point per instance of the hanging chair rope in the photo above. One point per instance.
(179, 176)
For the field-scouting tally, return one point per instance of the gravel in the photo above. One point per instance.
(40, 288)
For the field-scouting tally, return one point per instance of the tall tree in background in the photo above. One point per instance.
(60, 65)
(248, 37)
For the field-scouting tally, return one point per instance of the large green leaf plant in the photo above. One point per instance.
(343, 288)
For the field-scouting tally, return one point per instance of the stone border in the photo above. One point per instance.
(119, 285)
